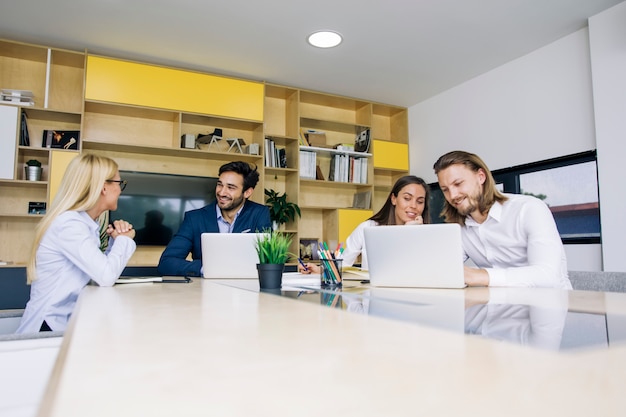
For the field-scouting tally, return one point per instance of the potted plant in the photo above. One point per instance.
(33, 170)
(281, 210)
(272, 246)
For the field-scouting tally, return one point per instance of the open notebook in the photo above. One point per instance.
(424, 256)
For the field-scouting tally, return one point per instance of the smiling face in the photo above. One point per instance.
(230, 193)
(462, 188)
(409, 203)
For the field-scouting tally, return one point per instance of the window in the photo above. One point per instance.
(568, 185)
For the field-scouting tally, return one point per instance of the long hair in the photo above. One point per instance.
(486, 198)
(79, 190)
(386, 216)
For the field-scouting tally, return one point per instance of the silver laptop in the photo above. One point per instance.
(229, 255)
(424, 256)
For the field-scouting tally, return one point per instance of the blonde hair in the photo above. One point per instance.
(79, 191)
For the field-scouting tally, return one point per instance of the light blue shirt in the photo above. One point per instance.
(68, 257)
(222, 224)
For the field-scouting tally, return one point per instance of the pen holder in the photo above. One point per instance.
(330, 272)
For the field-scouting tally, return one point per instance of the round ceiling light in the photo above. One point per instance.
(325, 39)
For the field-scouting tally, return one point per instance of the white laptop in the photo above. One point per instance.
(424, 256)
(229, 255)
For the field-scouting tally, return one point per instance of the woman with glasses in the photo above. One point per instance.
(66, 251)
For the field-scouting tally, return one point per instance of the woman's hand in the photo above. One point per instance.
(418, 220)
(121, 228)
(310, 268)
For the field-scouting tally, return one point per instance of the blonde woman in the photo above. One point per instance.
(66, 251)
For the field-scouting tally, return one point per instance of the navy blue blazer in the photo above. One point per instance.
(253, 217)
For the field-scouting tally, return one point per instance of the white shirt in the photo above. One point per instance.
(68, 257)
(518, 244)
(355, 245)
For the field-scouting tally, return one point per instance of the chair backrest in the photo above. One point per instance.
(598, 281)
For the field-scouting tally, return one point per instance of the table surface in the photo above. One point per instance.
(222, 347)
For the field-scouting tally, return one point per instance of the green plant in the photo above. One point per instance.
(281, 210)
(273, 247)
(33, 163)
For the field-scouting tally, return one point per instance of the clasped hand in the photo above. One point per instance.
(121, 228)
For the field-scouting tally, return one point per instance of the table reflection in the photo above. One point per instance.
(523, 324)
(533, 317)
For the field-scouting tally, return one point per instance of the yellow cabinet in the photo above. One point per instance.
(391, 155)
(339, 223)
(124, 82)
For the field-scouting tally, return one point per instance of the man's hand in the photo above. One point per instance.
(475, 277)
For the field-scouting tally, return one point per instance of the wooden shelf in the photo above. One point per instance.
(333, 126)
(23, 183)
(163, 151)
(35, 217)
(332, 151)
(333, 184)
(280, 171)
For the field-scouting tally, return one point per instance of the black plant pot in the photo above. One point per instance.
(270, 275)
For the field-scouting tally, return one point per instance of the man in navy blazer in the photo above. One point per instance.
(231, 212)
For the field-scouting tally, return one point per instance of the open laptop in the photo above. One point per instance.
(229, 255)
(424, 256)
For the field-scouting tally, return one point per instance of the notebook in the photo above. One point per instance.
(424, 256)
(229, 255)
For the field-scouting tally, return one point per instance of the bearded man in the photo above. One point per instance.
(512, 239)
(231, 212)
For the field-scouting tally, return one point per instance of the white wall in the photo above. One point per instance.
(608, 56)
(536, 107)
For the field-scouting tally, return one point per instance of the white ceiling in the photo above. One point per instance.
(394, 51)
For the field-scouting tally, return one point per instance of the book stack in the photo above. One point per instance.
(274, 157)
(348, 168)
(17, 97)
(308, 164)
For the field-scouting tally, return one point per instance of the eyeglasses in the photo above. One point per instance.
(122, 183)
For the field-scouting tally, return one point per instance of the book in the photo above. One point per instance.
(282, 157)
(36, 207)
(362, 200)
(138, 280)
(24, 136)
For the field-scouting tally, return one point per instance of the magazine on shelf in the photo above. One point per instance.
(18, 97)
(362, 141)
(24, 136)
(61, 139)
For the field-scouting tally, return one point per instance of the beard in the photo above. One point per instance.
(471, 205)
(230, 205)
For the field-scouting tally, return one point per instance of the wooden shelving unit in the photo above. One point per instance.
(143, 133)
